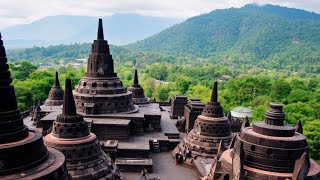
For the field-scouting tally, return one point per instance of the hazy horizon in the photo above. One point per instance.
(16, 12)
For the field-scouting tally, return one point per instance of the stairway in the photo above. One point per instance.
(156, 146)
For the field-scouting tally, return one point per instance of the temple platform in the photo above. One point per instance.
(117, 128)
(128, 138)
(133, 150)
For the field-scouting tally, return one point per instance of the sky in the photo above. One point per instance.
(15, 12)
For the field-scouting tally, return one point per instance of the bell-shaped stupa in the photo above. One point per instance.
(210, 128)
(137, 91)
(267, 150)
(70, 135)
(55, 97)
(100, 91)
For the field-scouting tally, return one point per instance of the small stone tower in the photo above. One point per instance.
(210, 128)
(70, 135)
(137, 91)
(55, 97)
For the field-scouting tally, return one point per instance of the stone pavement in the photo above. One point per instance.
(165, 167)
(167, 124)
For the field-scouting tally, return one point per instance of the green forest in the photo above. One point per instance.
(268, 36)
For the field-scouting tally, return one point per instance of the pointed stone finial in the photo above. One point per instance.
(136, 80)
(100, 31)
(245, 123)
(4, 68)
(214, 95)
(2, 49)
(57, 82)
(12, 127)
(213, 108)
(299, 127)
(69, 106)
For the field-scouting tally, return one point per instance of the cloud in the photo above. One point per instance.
(15, 12)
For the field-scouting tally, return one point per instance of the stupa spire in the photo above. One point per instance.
(5, 76)
(213, 108)
(12, 127)
(69, 115)
(299, 127)
(100, 31)
(22, 152)
(136, 80)
(69, 106)
(57, 82)
(214, 95)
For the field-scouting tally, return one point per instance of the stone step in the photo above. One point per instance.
(156, 146)
(133, 150)
(172, 135)
(134, 164)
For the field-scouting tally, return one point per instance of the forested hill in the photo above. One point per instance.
(268, 36)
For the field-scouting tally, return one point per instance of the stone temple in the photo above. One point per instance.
(267, 150)
(55, 97)
(137, 91)
(210, 130)
(70, 135)
(22, 152)
(140, 134)
(100, 91)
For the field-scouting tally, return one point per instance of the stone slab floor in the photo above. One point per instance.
(164, 167)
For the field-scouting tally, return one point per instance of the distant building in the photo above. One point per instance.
(224, 78)
(241, 112)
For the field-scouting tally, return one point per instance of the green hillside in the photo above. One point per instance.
(58, 52)
(267, 36)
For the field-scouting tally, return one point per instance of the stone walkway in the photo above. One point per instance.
(167, 124)
(165, 168)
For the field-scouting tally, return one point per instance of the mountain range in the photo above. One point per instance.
(63, 29)
(268, 36)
